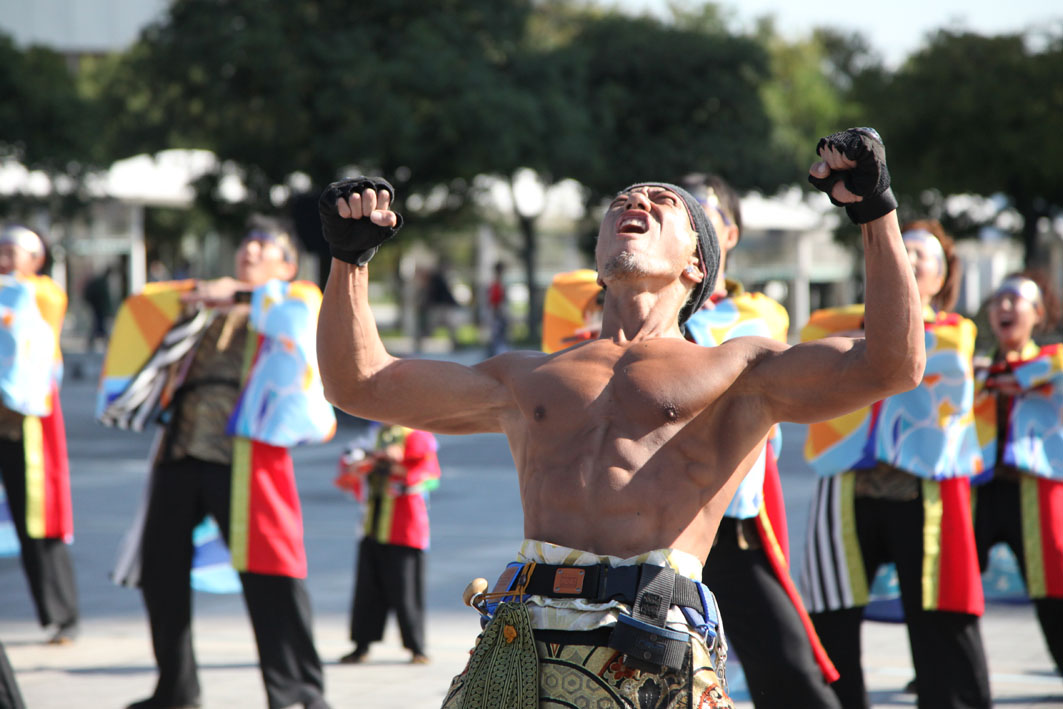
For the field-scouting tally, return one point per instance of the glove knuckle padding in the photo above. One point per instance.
(354, 240)
(869, 179)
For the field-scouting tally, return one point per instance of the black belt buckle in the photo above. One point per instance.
(647, 647)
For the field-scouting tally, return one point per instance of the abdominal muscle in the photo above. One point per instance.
(622, 509)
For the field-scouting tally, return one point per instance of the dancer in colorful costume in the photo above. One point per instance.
(392, 481)
(895, 487)
(33, 456)
(231, 365)
(572, 309)
(628, 447)
(749, 565)
(1019, 409)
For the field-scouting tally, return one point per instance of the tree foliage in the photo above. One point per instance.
(435, 95)
(971, 113)
(312, 86)
(807, 93)
(46, 123)
(664, 101)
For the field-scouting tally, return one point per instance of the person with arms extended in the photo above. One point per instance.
(749, 566)
(628, 447)
(898, 473)
(392, 481)
(231, 365)
(1019, 408)
(33, 455)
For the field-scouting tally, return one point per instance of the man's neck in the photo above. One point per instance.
(631, 315)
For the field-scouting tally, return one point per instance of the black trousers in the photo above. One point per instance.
(184, 492)
(46, 562)
(10, 697)
(998, 518)
(947, 649)
(389, 577)
(763, 626)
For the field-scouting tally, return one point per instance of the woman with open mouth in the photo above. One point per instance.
(894, 488)
(1018, 409)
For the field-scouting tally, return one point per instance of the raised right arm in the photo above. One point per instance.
(825, 378)
(360, 376)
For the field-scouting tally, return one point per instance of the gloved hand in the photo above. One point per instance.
(869, 178)
(355, 239)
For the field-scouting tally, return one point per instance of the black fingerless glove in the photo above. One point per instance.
(353, 240)
(869, 179)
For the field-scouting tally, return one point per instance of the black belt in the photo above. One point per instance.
(648, 589)
(601, 584)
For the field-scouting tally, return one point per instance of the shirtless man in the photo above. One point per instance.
(628, 448)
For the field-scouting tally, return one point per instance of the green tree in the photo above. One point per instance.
(45, 123)
(315, 85)
(808, 92)
(974, 113)
(423, 94)
(664, 101)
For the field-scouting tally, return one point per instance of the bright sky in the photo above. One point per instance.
(894, 28)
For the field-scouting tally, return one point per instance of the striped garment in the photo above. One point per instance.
(834, 576)
(141, 400)
(281, 404)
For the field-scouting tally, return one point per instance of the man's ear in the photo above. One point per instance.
(693, 272)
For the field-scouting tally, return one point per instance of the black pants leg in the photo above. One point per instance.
(763, 627)
(946, 647)
(390, 577)
(998, 518)
(46, 562)
(839, 631)
(175, 507)
(407, 588)
(280, 614)
(279, 607)
(10, 697)
(369, 605)
(1050, 615)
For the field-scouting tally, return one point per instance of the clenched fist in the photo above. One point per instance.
(356, 217)
(853, 173)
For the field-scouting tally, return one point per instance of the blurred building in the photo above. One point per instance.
(788, 251)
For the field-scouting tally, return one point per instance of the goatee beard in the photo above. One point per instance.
(624, 265)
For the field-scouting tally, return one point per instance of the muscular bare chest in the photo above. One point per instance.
(634, 394)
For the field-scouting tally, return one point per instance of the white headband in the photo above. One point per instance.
(933, 244)
(1022, 287)
(24, 238)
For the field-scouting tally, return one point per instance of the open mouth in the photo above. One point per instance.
(633, 222)
(1004, 321)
